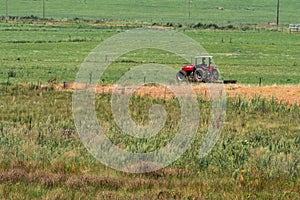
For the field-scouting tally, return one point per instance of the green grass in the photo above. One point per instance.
(153, 11)
(42, 156)
(248, 55)
(256, 157)
(38, 53)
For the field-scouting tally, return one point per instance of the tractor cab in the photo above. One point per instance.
(203, 61)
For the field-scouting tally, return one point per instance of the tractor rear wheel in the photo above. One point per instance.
(181, 75)
(200, 75)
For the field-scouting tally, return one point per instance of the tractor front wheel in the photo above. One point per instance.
(181, 75)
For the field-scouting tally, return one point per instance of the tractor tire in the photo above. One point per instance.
(200, 75)
(181, 76)
(214, 76)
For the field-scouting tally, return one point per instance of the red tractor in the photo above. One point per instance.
(199, 72)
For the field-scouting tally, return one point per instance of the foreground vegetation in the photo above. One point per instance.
(257, 156)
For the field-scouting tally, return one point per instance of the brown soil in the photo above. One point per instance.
(288, 94)
(57, 22)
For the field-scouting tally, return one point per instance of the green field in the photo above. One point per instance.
(39, 52)
(154, 11)
(42, 156)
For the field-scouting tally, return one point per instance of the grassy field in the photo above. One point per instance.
(39, 52)
(154, 11)
(257, 156)
(42, 156)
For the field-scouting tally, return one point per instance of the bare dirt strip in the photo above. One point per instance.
(289, 94)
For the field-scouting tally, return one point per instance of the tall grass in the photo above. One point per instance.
(42, 156)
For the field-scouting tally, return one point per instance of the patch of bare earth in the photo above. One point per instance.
(288, 94)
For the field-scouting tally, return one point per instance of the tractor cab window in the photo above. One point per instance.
(209, 61)
(205, 62)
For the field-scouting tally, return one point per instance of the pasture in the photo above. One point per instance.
(153, 11)
(42, 156)
(40, 52)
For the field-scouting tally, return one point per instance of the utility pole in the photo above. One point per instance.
(6, 9)
(277, 18)
(43, 9)
(190, 2)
